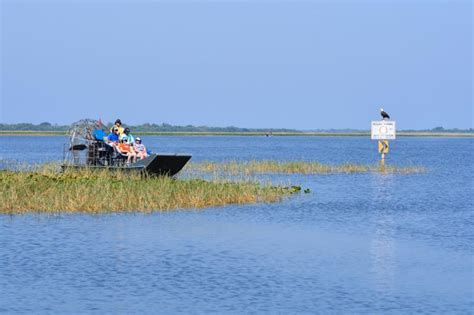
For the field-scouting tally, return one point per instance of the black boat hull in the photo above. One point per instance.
(155, 165)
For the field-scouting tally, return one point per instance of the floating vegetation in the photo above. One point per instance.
(46, 190)
(297, 167)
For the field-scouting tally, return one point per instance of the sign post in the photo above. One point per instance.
(383, 148)
(383, 130)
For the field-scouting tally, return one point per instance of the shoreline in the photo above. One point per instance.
(276, 134)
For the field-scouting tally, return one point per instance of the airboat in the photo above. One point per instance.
(87, 149)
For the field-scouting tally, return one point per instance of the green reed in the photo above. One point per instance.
(296, 167)
(46, 190)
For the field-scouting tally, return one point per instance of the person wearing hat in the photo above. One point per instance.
(130, 138)
(118, 125)
(140, 149)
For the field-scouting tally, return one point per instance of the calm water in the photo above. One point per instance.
(366, 243)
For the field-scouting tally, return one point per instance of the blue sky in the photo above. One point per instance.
(294, 64)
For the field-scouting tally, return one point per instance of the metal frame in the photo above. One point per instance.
(84, 150)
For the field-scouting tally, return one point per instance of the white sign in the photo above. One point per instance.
(383, 130)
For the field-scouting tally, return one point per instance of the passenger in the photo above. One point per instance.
(113, 137)
(140, 149)
(118, 125)
(130, 138)
(125, 148)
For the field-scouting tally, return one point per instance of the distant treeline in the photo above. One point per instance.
(441, 129)
(164, 127)
(46, 126)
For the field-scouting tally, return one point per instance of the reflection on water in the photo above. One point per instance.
(382, 247)
(358, 243)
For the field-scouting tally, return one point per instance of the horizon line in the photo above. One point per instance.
(58, 125)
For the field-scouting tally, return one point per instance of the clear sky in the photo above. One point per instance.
(294, 64)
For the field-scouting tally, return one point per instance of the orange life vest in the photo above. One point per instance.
(124, 147)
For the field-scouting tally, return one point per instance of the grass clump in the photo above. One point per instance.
(102, 191)
(297, 167)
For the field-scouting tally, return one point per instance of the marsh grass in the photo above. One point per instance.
(297, 167)
(49, 191)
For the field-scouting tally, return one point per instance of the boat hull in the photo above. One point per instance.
(155, 165)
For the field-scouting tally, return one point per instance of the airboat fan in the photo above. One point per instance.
(81, 141)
